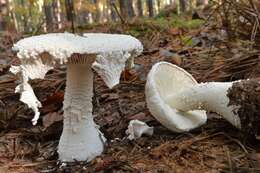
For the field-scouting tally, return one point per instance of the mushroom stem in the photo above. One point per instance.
(81, 139)
(211, 96)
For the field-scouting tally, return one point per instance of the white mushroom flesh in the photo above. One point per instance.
(211, 96)
(174, 97)
(162, 81)
(137, 128)
(109, 67)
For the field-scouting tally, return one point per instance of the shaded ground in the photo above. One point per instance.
(215, 147)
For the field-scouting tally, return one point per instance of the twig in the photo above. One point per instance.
(229, 159)
(117, 12)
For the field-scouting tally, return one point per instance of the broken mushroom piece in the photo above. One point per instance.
(163, 81)
(105, 53)
(137, 128)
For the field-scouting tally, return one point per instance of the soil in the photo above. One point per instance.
(246, 94)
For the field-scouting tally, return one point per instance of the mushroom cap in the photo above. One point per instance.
(163, 81)
(62, 45)
(38, 54)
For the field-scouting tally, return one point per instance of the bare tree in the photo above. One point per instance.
(139, 8)
(12, 14)
(183, 5)
(3, 14)
(57, 13)
(48, 11)
(70, 12)
(122, 6)
(150, 7)
(130, 8)
(159, 4)
(98, 14)
(112, 9)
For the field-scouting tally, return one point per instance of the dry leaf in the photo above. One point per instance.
(51, 118)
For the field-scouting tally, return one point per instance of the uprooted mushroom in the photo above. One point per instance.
(105, 53)
(173, 96)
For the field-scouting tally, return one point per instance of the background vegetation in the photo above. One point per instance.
(50, 15)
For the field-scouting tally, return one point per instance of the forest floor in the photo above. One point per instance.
(204, 52)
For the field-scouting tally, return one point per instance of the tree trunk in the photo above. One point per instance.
(3, 14)
(112, 9)
(57, 13)
(48, 10)
(12, 14)
(97, 17)
(139, 8)
(24, 17)
(122, 6)
(183, 5)
(150, 7)
(70, 13)
(106, 7)
(159, 5)
(130, 8)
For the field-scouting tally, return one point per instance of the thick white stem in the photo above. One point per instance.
(210, 96)
(81, 139)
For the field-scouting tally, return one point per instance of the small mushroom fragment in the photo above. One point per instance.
(105, 53)
(137, 128)
(163, 81)
(181, 93)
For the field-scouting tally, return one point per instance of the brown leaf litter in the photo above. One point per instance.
(215, 147)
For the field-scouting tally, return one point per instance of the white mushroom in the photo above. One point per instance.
(174, 97)
(163, 81)
(106, 53)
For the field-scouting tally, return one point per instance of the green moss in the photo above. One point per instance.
(134, 33)
(186, 40)
(176, 21)
(145, 26)
(187, 24)
(160, 23)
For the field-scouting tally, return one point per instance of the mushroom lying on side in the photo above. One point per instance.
(105, 53)
(163, 80)
(170, 88)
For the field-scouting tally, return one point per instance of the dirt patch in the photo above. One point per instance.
(246, 94)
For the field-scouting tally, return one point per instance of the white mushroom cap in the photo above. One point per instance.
(163, 81)
(62, 45)
(39, 54)
(111, 50)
